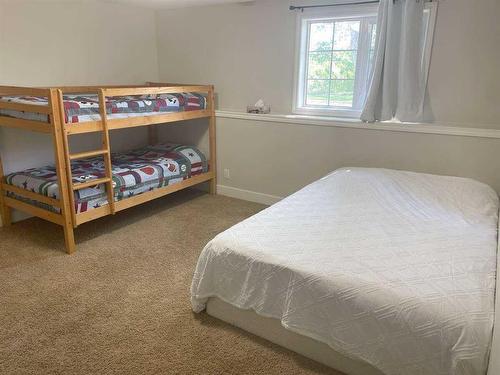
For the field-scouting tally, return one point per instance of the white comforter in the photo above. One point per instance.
(393, 268)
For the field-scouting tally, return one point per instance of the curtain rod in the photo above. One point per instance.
(302, 7)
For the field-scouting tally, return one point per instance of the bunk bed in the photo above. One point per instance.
(85, 186)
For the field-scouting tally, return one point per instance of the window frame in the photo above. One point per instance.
(342, 12)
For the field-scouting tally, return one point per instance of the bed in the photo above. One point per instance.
(87, 185)
(134, 172)
(370, 271)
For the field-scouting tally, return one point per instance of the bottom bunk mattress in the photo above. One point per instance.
(395, 269)
(134, 172)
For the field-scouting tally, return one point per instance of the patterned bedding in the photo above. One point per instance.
(82, 108)
(134, 172)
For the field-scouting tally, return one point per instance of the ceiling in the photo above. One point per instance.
(172, 4)
(156, 4)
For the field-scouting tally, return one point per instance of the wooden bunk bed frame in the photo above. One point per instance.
(61, 131)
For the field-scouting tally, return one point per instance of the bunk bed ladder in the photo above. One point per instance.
(107, 156)
(105, 152)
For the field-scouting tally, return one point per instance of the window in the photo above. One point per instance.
(335, 48)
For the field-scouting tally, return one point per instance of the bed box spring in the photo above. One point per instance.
(134, 172)
(83, 108)
(272, 330)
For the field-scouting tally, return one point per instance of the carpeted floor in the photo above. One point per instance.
(120, 304)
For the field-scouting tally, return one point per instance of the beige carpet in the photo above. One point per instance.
(120, 304)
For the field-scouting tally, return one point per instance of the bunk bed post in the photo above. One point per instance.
(67, 165)
(152, 129)
(4, 209)
(211, 137)
(60, 158)
(153, 134)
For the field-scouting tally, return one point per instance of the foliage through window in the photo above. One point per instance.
(332, 60)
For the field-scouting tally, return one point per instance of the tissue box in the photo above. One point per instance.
(261, 110)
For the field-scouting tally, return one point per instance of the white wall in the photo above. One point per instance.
(464, 81)
(247, 52)
(280, 158)
(45, 43)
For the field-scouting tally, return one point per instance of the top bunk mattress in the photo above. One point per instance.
(84, 108)
(396, 269)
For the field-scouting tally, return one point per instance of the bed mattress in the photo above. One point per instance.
(83, 108)
(396, 269)
(134, 172)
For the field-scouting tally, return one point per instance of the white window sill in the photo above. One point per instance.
(353, 123)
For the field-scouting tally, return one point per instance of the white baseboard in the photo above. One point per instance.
(247, 195)
(17, 216)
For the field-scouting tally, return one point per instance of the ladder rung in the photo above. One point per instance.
(87, 154)
(97, 181)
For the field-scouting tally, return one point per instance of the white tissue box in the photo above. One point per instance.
(261, 110)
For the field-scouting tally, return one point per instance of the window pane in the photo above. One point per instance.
(346, 35)
(320, 37)
(319, 65)
(317, 92)
(344, 64)
(342, 93)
